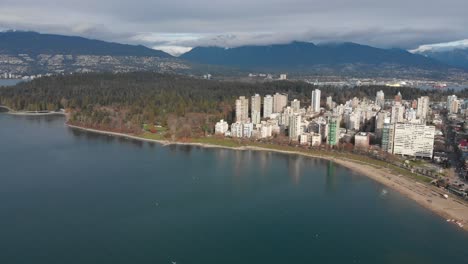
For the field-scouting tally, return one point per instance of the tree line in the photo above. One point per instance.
(123, 102)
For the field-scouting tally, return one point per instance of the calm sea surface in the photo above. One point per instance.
(9, 82)
(72, 197)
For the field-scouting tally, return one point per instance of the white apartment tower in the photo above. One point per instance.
(380, 99)
(398, 111)
(295, 105)
(267, 106)
(423, 107)
(280, 101)
(294, 127)
(256, 106)
(413, 140)
(316, 101)
(242, 109)
(329, 103)
(452, 104)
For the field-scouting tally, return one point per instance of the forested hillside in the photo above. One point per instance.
(123, 102)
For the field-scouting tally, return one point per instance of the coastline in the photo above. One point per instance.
(425, 195)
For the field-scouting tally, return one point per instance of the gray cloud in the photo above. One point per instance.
(188, 23)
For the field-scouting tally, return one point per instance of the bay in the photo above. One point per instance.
(69, 196)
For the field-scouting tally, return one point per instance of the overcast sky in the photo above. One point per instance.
(180, 24)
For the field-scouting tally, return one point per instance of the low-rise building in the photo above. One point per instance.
(221, 127)
(361, 140)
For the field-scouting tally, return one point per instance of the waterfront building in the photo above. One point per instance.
(422, 107)
(255, 108)
(247, 129)
(267, 106)
(415, 140)
(295, 105)
(333, 130)
(304, 139)
(236, 130)
(280, 101)
(361, 140)
(387, 136)
(315, 139)
(242, 109)
(380, 99)
(221, 127)
(283, 77)
(316, 100)
(265, 129)
(294, 127)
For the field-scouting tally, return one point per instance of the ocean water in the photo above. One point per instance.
(68, 196)
(9, 82)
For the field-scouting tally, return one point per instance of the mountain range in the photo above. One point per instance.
(26, 53)
(33, 43)
(304, 54)
(456, 57)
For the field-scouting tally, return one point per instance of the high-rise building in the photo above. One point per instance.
(242, 109)
(255, 108)
(413, 140)
(387, 136)
(316, 100)
(329, 103)
(280, 101)
(379, 122)
(294, 127)
(452, 104)
(353, 120)
(423, 107)
(267, 106)
(398, 111)
(295, 105)
(380, 99)
(333, 131)
(398, 97)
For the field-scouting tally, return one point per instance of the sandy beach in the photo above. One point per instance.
(424, 194)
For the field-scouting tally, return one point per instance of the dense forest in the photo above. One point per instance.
(123, 102)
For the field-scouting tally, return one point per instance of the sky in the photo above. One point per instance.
(178, 25)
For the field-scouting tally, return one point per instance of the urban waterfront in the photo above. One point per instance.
(75, 197)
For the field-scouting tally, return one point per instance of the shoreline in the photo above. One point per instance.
(425, 195)
(31, 113)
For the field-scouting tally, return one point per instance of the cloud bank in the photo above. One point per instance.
(180, 24)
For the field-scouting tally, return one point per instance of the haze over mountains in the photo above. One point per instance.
(24, 53)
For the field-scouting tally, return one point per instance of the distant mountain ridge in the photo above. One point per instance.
(304, 54)
(33, 43)
(456, 57)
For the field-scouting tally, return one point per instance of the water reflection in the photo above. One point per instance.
(294, 163)
(331, 176)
